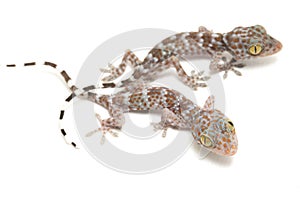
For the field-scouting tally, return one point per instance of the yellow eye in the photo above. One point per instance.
(255, 49)
(230, 126)
(206, 141)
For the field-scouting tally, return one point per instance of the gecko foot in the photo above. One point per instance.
(103, 129)
(238, 73)
(111, 70)
(160, 127)
(197, 80)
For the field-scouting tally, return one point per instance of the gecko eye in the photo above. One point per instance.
(206, 141)
(230, 126)
(255, 49)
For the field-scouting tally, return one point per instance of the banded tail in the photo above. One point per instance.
(85, 94)
(67, 79)
(121, 84)
(75, 91)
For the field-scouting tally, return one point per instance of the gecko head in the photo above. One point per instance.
(214, 131)
(251, 42)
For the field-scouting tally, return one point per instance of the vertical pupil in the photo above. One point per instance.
(255, 49)
(203, 139)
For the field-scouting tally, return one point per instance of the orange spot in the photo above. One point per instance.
(235, 39)
(233, 46)
(227, 151)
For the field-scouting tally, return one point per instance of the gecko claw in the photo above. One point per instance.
(108, 69)
(111, 71)
(102, 140)
(160, 127)
(240, 65)
(238, 73)
(225, 75)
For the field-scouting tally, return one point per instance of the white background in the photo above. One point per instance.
(264, 103)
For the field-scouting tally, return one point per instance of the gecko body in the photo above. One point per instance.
(227, 51)
(210, 127)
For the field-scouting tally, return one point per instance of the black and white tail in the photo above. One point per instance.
(65, 76)
(52, 65)
(84, 94)
(75, 91)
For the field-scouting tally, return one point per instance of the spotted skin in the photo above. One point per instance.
(178, 112)
(241, 39)
(228, 51)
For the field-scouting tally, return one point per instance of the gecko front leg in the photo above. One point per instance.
(129, 59)
(169, 120)
(224, 61)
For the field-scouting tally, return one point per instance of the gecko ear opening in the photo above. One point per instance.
(209, 103)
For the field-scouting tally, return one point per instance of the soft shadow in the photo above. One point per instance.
(260, 62)
(252, 63)
(213, 158)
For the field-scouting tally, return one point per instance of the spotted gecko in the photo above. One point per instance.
(227, 52)
(209, 126)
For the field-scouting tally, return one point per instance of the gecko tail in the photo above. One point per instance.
(67, 104)
(64, 75)
(120, 84)
(84, 94)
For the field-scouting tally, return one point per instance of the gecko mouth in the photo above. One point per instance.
(278, 46)
(275, 46)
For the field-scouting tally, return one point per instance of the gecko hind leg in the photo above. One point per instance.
(194, 81)
(115, 121)
(169, 120)
(129, 59)
(106, 126)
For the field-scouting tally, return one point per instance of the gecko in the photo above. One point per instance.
(227, 51)
(210, 127)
